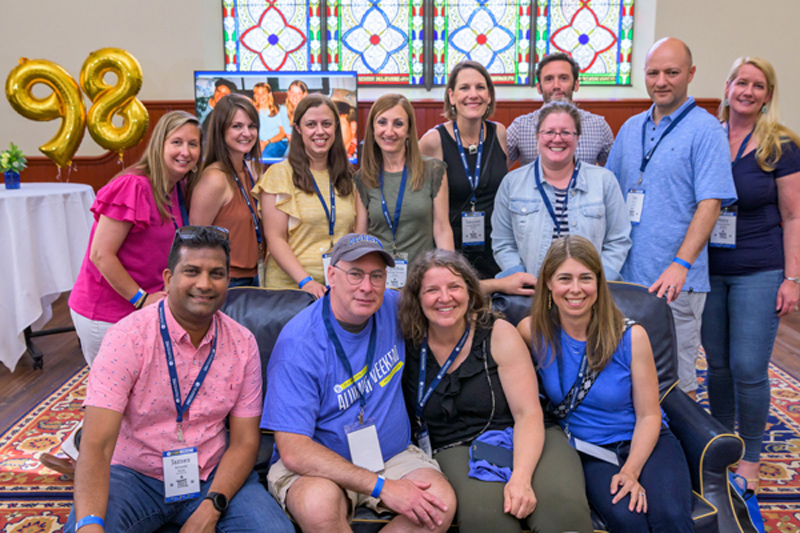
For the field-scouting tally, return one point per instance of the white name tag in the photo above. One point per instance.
(181, 475)
(396, 276)
(365, 449)
(595, 451)
(724, 233)
(326, 262)
(473, 229)
(635, 203)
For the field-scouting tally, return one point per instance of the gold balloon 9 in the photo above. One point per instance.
(118, 99)
(65, 102)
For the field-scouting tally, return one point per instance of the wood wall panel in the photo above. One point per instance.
(96, 171)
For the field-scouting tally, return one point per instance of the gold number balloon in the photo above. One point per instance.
(118, 99)
(65, 102)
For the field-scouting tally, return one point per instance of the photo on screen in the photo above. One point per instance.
(275, 96)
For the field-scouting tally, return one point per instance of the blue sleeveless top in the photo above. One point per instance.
(606, 414)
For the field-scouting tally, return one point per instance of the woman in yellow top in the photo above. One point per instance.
(307, 200)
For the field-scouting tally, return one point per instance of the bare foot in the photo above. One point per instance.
(751, 472)
(62, 465)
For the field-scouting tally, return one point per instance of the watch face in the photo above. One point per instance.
(219, 500)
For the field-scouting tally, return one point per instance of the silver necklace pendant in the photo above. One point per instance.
(473, 149)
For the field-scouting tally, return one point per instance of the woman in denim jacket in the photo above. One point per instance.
(557, 196)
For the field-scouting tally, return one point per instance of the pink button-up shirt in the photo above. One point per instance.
(130, 376)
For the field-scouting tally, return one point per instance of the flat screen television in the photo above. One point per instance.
(275, 95)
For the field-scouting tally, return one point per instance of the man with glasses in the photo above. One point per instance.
(335, 401)
(556, 80)
(164, 382)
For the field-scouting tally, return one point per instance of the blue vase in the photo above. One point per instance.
(12, 179)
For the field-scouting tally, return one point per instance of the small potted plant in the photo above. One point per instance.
(12, 162)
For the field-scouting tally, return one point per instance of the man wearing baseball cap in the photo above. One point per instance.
(335, 401)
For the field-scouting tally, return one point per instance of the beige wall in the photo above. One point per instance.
(173, 38)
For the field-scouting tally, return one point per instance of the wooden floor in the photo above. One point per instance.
(22, 389)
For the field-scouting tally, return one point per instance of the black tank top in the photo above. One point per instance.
(493, 170)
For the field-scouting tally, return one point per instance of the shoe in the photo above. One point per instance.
(62, 465)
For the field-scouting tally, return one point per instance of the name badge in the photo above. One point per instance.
(365, 449)
(181, 474)
(594, 450)
(724, 233)
(424, 440)
(473, 230)
(396, 275)
(635, 202)
(326, 262)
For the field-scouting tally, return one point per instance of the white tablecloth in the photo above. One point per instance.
(44, 232)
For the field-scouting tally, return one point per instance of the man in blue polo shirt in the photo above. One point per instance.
(335, 401)
(673, 165)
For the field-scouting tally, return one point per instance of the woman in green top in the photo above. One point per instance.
(404, 195)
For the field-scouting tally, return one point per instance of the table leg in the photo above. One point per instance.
(36, 353)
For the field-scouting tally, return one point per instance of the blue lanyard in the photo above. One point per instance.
(181, 408)
(424, 395)
(247, 200)
(741, 146)
(546, 200)
(330, 215)
(473, 178)
(397, 208)
(646, 157)
(584, 366)
(181, 207)
(373, 339)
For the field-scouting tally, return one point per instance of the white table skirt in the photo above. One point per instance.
(44, 232)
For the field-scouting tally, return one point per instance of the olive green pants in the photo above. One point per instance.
(557, 483)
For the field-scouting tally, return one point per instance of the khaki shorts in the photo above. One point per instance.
(280, 478)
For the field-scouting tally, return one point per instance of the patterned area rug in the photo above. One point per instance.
(33, 516)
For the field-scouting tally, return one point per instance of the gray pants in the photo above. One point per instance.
(687, 311)
(557, 483)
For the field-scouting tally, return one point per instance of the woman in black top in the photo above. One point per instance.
(479, 378)
(469, 100)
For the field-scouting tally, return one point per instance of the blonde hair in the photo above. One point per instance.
(151, 164)
(769, 132)
(606, 324)
(372, 156)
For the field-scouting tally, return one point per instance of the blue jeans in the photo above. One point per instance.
(665, 478)
(739, 328)
(243, 282)
(136, 504)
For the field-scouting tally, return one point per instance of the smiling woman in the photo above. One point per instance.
(221, 195)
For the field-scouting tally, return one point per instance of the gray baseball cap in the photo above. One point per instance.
(354, 246)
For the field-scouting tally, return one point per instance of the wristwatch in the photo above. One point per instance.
(219, 500)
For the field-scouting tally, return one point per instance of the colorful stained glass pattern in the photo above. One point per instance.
(598, 34)
(379, 39)
(495, 33)
(271, 35)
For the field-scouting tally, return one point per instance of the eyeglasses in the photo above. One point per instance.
(377, 278)
(187, 233)
(549, 135)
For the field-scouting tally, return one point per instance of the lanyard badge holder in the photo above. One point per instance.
(473, 223)
(253, 215)
(423, 394)
(181, 467)
(724, 233)
(396, 275)
(362, 436)
(331, 216)
(636, 195)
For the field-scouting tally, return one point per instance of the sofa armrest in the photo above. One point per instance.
(709, 448)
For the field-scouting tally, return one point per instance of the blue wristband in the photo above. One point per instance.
(304, 281)
(686, 264)
(378, 487)
(138, 295)
(90, 520)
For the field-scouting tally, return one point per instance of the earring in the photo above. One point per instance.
(549, 300)
(725, 102)
(194, 169)
(453, 109)
(764, 109)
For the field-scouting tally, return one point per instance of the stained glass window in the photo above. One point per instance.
(417, 42)
(598, 34)
(379, 39)
(495, 33)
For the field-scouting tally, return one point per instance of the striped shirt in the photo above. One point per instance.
(561, 214)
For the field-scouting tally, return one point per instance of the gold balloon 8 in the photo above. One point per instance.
(65, 102)
(118, 99)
